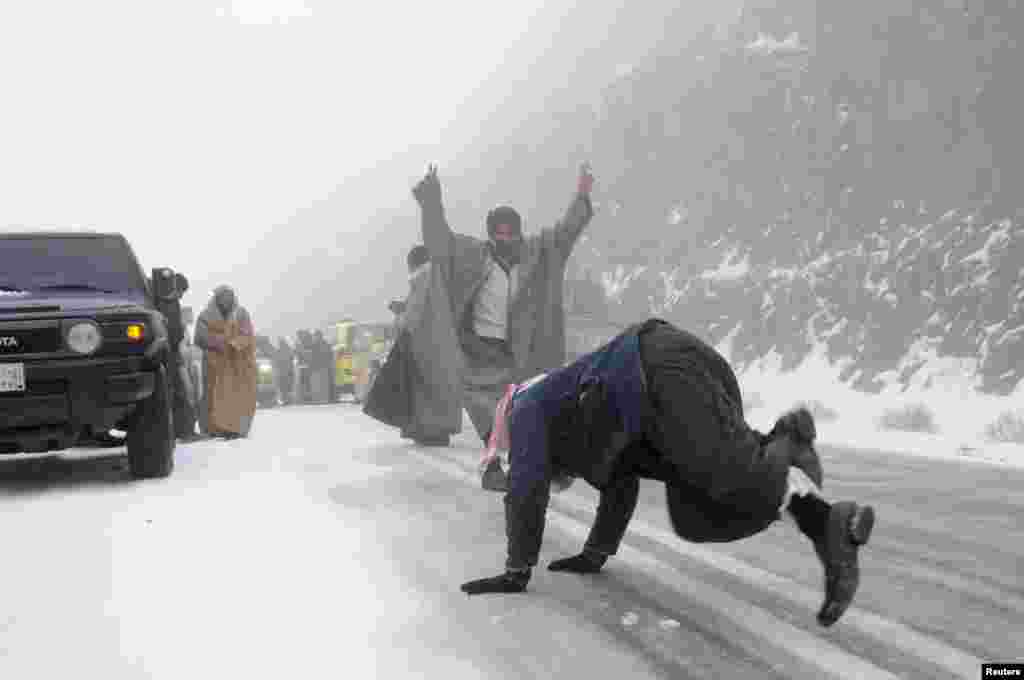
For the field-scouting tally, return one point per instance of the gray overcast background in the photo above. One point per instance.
(271, 144)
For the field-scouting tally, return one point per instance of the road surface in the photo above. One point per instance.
(325, 547)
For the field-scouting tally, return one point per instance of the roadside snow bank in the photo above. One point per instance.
(960, 413)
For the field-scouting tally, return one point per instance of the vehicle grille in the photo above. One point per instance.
(37, 388)
(19, 341)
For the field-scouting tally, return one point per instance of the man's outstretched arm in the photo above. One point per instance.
(526, 502)
(437, 234)
(618, 501)
(579, 214)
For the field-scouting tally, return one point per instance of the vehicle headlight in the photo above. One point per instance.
(136, 332)
(84, 337)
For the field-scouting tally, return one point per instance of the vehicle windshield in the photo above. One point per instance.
(97, 265)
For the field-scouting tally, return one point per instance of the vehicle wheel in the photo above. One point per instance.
(151, 439)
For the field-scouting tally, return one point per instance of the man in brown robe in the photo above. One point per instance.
(225, 332)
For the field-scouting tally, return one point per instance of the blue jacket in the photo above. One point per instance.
(587, 417)
(577, 420)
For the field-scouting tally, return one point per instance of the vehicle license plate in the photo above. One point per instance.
(12, 377)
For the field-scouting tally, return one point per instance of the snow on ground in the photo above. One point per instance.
(960, 412)
(237, 566)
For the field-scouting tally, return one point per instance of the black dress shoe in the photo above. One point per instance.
(849, 527)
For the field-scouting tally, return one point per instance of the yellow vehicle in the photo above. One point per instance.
(359, 351)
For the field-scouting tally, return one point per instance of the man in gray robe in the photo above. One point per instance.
(505, 293)
(436, 407)
(419, 387)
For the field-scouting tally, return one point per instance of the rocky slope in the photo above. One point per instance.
(820, 177)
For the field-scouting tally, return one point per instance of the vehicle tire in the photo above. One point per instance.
(151, 439)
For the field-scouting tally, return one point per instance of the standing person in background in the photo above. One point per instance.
(168, 288)
(423, 400)
(284, 361)
(304, 366)
(325, 360)
(225, 332)
(320, 368)
(185, 417)
(659, 403)
(192, 356)
(505, 293)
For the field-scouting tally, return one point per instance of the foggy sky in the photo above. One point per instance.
(262, 142)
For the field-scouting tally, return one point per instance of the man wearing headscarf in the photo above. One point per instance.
(225, 332)
(505, 293)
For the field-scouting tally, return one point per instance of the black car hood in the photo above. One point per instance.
(83, 302)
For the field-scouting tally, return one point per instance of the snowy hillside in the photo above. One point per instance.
(836, 209)
(904, 307)
(906, 342)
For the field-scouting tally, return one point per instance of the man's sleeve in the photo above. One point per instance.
(526, 501)
(437, 234)
(576, 219)
(202, 335)
(245, 325)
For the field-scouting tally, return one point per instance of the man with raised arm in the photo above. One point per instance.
(505, 291)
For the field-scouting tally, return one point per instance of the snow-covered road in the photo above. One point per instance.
(325, 547)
